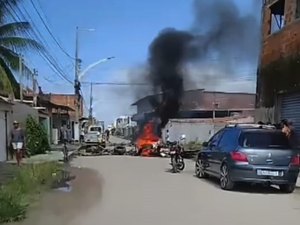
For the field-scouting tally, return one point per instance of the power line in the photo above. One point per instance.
(117, 83)
(44, 54)
(49, 31)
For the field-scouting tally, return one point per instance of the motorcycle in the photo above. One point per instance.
(177, 161)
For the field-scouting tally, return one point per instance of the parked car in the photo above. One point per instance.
(249, 153)
(93, 134)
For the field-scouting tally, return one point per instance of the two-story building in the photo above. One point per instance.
(201, 104)
(278, 80)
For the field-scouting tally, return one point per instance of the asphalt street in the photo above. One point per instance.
(125, 190)
(142, 191)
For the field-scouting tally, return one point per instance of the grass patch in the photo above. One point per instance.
(193, 146)
(30, 180)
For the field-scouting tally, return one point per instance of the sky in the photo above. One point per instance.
(123, 29)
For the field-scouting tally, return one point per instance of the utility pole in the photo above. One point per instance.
(21, 76)
(77, 89)
(34, 87)
(77, 83)
(91, 104)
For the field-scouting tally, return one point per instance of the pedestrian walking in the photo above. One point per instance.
(107, 133)
(17, 141)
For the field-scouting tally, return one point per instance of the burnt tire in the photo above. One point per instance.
(287, 188)
(225, 181)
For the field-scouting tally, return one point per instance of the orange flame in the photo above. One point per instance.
(147, 137)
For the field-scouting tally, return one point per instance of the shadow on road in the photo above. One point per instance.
(63, 205)
(246, 188)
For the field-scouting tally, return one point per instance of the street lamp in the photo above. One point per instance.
(91, 66)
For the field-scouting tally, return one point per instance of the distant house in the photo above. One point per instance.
(202, 113)
(202, 104)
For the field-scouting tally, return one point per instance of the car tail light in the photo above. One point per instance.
(295, 161)
(239, 157)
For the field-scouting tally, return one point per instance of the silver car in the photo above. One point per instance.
(249, 153)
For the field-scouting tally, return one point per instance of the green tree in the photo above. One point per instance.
(14, 39)
(36, 137)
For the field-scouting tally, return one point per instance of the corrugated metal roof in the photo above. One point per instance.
(208, 100)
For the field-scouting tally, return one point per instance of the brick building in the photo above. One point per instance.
(202, 104)
(67, 100)
(278, 80)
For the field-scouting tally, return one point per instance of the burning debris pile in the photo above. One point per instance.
(219, 30)
(147, 140)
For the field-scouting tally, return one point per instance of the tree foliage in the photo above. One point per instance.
(36, 137)
(15, 38)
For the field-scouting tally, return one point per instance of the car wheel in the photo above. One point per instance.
(199, 169)
(225, 182)
(287, 188)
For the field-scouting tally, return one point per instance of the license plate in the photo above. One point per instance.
(269, 173)
(172, 152)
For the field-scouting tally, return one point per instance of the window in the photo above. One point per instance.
(96, 129)
(297, 9)
(277, 15)
(264, 139)
(214, 141)
(229, 140)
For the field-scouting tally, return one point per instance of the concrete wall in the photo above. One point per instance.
(194, 131)
(22, 111)
(265, 115)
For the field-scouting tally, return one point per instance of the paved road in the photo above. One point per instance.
(141, 191)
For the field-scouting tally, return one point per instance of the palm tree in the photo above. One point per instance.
(14, 39)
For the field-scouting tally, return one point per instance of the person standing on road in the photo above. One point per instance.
(107, 133)
(64, 134)
(17, 140)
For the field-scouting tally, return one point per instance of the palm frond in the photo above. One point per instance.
(5, 84)
(7, 76)
(13, 61)
(20, 44)
(10, 57)
(14, 29)
(7, 9)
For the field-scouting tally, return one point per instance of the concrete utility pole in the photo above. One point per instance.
(77, 88)
(91, 104)
(77, 83)
(34, 87)
(21, 76)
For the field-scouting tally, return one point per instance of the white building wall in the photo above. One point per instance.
(197, 129)
(5, 127)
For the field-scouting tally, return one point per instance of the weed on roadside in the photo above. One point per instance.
(16, 196)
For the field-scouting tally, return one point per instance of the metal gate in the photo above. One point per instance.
(290, 110)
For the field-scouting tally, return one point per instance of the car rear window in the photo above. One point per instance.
(95, 129)
(260, 139)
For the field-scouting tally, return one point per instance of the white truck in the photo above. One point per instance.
(93, 135)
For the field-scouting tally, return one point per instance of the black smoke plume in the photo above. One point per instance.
(220, 30)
